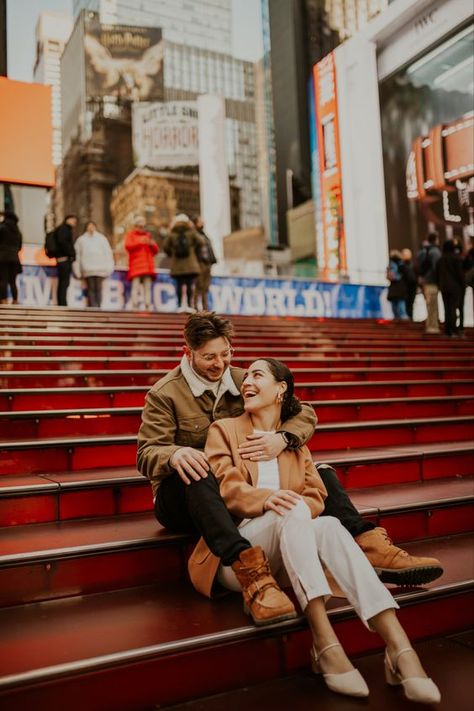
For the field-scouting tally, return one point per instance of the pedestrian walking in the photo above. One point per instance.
(450, 279)
(181, 245)
(397, 290)
(410, 280)
(94, 262)
(425, 268)
(141, 248)
(206, 259)
(10, 265)
(65, 255)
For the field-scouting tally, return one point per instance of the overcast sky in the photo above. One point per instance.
(22, 16)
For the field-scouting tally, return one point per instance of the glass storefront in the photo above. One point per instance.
(435, 89)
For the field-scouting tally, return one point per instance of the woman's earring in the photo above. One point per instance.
(279, 398)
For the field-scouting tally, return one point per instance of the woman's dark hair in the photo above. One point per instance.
(204, 326)
(290, 406)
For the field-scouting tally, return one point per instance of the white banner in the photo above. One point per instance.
(165, 135)
(213, 171)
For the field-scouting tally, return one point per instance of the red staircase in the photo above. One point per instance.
(95, 608)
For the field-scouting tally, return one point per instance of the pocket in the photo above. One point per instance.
(192, 431)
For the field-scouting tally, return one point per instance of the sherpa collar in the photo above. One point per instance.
(198, 385)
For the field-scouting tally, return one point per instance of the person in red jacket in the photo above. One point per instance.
(141, 250)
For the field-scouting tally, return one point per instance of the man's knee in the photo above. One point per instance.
(329, 477)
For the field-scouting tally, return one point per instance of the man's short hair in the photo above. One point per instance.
(432, 237)
(204, 326)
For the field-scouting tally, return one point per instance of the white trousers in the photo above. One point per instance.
(296, 544)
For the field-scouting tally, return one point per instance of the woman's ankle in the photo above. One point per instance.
(334, 660)
(407, 664)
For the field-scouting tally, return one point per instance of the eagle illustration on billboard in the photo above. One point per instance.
(114, 71)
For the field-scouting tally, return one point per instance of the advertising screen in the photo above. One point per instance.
(26, 134)
(330, 225)
(165, 135)
(123, 62)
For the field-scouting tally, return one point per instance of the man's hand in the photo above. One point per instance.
(190, 464)
(281, 501)
(262, 447)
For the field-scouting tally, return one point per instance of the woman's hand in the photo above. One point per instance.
(281, 501)
(262, 447)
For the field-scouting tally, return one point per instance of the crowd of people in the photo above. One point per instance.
(447, 269)
(90, 259)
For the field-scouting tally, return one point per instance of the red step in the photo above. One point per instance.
(129, 639)
(127, 420)
(86, 452)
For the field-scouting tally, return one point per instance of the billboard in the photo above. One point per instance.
(165, 135)
(26, 134)
(123, 62)
(331, 243)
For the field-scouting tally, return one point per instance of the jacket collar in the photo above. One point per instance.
(198, 386)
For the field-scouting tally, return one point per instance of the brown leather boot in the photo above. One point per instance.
(393, 564)
(263, 599)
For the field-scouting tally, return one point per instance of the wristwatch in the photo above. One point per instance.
(289, 439)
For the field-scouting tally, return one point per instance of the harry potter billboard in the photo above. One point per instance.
(123, 62)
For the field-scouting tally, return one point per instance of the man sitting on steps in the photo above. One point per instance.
(178, 412)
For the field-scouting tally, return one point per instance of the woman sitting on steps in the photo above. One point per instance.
(278, 503)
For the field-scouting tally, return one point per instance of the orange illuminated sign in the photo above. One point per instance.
(25, 134)
(332, 257)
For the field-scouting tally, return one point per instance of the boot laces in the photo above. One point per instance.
(390, 543)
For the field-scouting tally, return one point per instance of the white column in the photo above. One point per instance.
(213, 171)
(363, 187)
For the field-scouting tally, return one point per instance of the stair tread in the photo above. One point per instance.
(412, 494)
(305, 692)
(137, 409)
(60, 631)
(330, 426)
(68, 537)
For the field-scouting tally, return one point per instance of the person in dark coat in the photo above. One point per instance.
(182, 245)
(410, 280)
(206, 259)
(10, 265)
(397, 290)
(450, 279)
(65, 256)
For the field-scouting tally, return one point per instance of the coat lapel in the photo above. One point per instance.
(244, 427)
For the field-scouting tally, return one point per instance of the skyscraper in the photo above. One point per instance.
(52, 33)
(200, 23)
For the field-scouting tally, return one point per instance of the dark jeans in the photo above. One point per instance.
(94, 290)
(186, 281)
(199, 508)
(451, 304)
(8, 274)
(338, 504)
(64, 277)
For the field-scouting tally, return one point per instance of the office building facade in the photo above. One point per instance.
(52, 33)
(206, 24)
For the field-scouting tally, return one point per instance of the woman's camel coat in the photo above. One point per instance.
(238, 480)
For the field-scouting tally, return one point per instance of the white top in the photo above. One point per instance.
(268, 471)
(94, 256)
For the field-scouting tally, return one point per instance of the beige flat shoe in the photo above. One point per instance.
(417, 688)
(350, 683)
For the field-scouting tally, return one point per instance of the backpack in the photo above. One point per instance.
(424, 262)
(51, 244)
(393, 272)
(181, 248)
